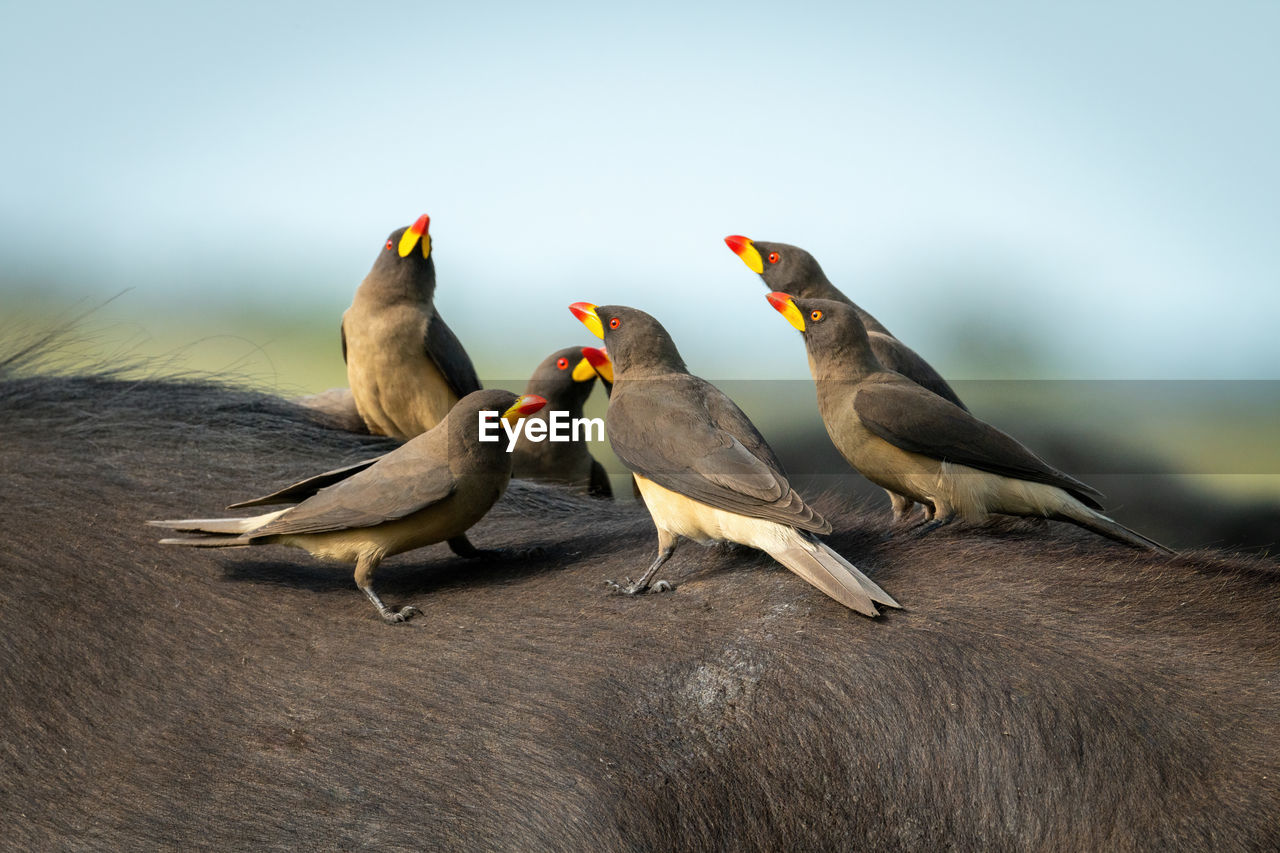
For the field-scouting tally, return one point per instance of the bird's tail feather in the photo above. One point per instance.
(1112, 529)
(833, 574)
(234, 526)
(214, 540)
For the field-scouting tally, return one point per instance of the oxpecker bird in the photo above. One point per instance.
(431, 489)
(703, 468)
(564, 379)
(927, 449)
(790, 269)
(405, 366)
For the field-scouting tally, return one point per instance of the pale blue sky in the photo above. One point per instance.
(1102, 178)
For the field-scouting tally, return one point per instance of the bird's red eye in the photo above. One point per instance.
(815, 315)
(562, 363)
(388, 245)
(774, 257)
(615, 323)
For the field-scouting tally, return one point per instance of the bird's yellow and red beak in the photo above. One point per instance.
(745, 249)
(583, 371)
(523, 406)
(598, 358)
(415, 234)
(586, 314)
(785, 305)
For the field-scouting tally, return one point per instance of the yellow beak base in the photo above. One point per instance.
(408, 240)
(786, 306)
(605, 371)
(752, 259)
(584, 372)
(792, 313)
(586, 314)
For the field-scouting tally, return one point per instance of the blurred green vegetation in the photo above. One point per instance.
(1219, 436)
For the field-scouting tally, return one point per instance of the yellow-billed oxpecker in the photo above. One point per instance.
(790, 269)
(405, 366)
(703, 468)
(564, 379)
(431, 489)
(927, 449)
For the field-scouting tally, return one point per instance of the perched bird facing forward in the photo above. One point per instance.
(704, 470)
(565, 379)
(431, 489)
(790, 269)
(918, 445)
(405, 367)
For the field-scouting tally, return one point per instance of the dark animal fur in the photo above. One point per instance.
(1043, 690)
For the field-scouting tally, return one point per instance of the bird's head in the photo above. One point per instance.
(464, 418)
(565, 378)
(407, 253)
(638, 344)
(783, 267)
(829, 327)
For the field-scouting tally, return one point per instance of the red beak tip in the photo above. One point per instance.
(779, 300)
(595, 356)
(737, 243)
(421, 225)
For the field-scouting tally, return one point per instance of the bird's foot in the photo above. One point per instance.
(635, 588)
(932, 525)
(394, 617)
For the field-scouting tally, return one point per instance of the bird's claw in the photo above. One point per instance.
(633, 587)
(404, 614)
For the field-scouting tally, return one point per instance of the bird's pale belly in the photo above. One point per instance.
(706, 524)
(439, 522)
(398, 389)
(955, 490)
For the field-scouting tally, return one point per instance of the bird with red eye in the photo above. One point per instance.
(615, 323)
(405, 366)
(565, 379)
(815, 315)
(774, 257)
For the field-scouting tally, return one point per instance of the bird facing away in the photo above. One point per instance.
(703, 468)
(916, 444)
(790, 269)
(405, 367)
(431, 489)
(564, 379)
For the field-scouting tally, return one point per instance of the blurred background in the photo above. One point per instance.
(1086, 192)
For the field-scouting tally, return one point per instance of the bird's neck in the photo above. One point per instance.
(820, 287)
(642, 372)
(401, 287)
(851, 362)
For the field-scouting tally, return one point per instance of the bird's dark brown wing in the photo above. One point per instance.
(398, 484)
(444, 348)
(914, 419)
(304, 489)
(900, 358)
(685, 435)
